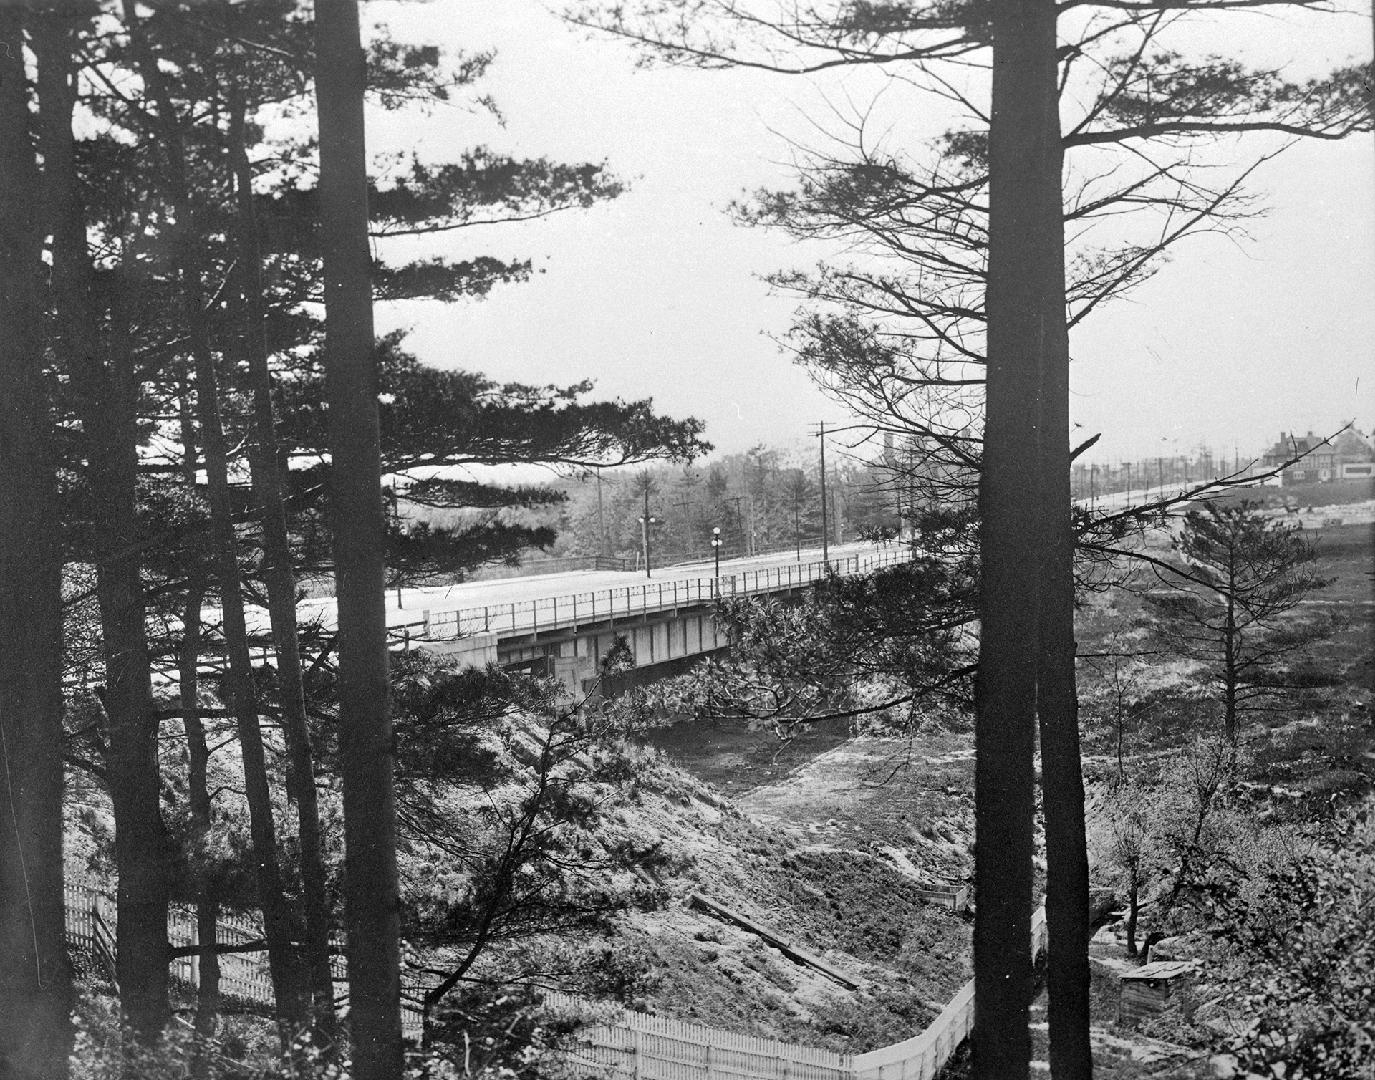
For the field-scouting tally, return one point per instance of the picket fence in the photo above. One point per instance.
(244, 979)
(644, 1047)
(636, 1046)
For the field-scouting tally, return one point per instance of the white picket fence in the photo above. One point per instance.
(923, 1056)
(656, 1048)
(636, 1046)
(641, 1047)
(244, 977)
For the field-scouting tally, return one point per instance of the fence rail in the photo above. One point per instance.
(657, 1048)
(646, 1047)
(91, 917)
(636, 1046)
(571, 610)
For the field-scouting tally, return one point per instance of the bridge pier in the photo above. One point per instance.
(665, 624)
(574, 655)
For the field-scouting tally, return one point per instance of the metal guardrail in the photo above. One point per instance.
(571, 610)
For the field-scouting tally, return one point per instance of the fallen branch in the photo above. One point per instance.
(783, 945)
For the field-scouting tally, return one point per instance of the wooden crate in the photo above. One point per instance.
(1148, 990)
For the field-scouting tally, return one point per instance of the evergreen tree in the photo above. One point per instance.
(980, 287)
(1239, 575)
(35, 981)
(372, 902)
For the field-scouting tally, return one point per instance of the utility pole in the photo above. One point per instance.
(739, 523)
(825, 527)
(684, 504)
(601, 515)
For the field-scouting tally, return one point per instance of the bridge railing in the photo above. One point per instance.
(571, 610)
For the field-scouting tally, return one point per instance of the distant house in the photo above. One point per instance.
(1348, 456)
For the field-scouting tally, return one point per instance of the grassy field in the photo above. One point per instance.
(811, 820)
(809, 869)
(1316, 722)
(1331, 493)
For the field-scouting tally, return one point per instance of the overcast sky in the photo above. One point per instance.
(658, 293)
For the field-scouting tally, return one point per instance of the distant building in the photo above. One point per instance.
(1348, 456)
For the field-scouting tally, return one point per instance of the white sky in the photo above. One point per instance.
(658, 294)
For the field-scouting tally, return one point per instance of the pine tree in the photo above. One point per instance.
(372, 901)
(35, 981)
(1238, 576)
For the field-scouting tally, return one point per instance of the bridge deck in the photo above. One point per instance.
(540, 604)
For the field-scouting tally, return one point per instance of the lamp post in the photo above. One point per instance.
(716, 552)
(645, 523)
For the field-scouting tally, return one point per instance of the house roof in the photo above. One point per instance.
(1349, 443)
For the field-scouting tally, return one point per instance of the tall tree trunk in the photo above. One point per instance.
(143, 849)
(1229, 665)
(278, 924)
(107, 390)
(35, 982)
(281, 592)
(198, 795)
(1062, 780)
(1133, 910)
(366, 749)
(1026, 338)
(198, 780)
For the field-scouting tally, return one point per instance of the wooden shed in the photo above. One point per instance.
(955, 897)
(1148, 990)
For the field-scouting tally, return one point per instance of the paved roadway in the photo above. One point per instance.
(503, 592)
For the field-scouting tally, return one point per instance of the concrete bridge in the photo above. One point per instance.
(564, 624)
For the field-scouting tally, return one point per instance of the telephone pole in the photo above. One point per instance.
(685, 505)
(601, 516)
(825, 526)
